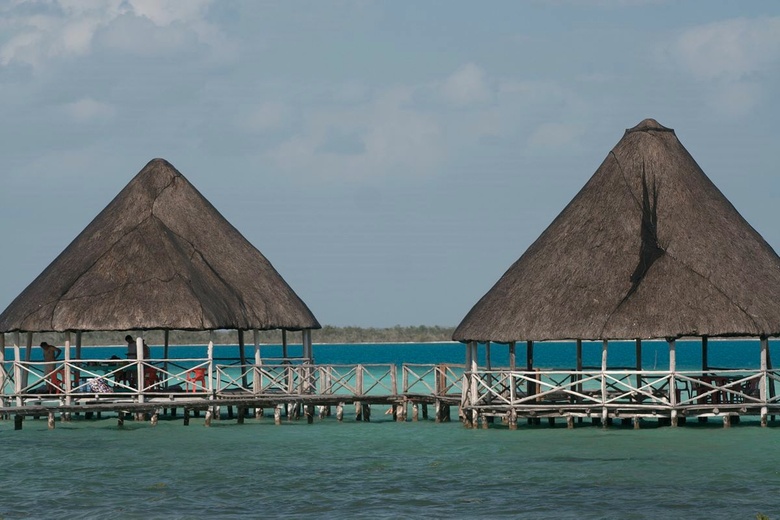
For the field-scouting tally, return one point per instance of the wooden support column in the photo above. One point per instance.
(579, 366)
(473, 387)
(638, 349)
(242, 359)
(762, 388)
(340, 412)
(155, 417)
(210, 353)
(604, 394)
(512, 357)
(50, 422)
(78, 345)
(704, 354)
(139, 353)
(67, 379)
(166, 343)
(27, 359)
(18, 420)
(284, 344)
(673, 380)
(278, 414)
(256, 380)
(17, 371)
(529, 365)
(3, 375)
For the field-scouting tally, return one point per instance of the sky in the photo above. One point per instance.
(391, 158)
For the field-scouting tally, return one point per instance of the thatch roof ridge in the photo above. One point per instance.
(649, 248)
(159, 256)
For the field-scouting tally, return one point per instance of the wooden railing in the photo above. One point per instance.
(619, 388)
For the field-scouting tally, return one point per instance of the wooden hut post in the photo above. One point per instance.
(256, 382)
(27, 358)
(210, 353)
(2, 369)
(512, 357)
(604, 394)
(308, 357)
(529, 366)
(166, 340)
(67, 374)
(242, 358)
(763, 381)
(284, 344)
(705, 363)
(638, 348)
(579, 367)
(472, 367)
(17, 370)
(139, 355)
(77, 372)
(673, 380)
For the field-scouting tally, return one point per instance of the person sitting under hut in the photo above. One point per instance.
(50, 355)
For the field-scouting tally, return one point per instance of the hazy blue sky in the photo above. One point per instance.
(391, 159)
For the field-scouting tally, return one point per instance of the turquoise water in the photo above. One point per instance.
(383, 469)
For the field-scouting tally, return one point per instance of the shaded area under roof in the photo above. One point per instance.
(649, 248)
(159, 256)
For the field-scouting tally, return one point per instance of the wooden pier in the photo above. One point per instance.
(291, 387)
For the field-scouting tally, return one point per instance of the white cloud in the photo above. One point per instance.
(466, 86)
(731, 49)
(382, 137)
(44, 30)
(87, 109)
(732, 60)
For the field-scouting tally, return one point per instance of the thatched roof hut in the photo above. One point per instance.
(649, 248)
(159, 256)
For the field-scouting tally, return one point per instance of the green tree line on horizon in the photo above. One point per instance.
(328, 334)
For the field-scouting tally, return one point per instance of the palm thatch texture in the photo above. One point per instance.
(649, 248)
(159, 256)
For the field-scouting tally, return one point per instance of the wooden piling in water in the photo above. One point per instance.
(186, 417)
(51, 421)
(278, 414)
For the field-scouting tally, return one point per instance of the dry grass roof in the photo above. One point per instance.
(649, 248)
(159, 256)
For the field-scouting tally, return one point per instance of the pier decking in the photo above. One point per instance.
(298, 388)
(292, 386)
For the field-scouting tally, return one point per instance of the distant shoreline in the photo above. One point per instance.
(327, 335)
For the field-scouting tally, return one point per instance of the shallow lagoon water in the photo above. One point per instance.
(383, 469)
(94, 469)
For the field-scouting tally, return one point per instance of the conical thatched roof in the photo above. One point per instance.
(649, 248)
(159, 256)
